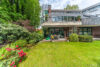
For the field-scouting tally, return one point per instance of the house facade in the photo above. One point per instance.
(62, 23)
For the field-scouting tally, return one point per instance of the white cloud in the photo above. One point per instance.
(60, 4)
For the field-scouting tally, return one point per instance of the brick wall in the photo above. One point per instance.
(96, 32)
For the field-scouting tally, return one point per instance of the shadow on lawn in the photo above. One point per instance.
(97, 61)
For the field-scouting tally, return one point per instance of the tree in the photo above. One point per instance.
(23, 8)
(33, 12)
(73, 7)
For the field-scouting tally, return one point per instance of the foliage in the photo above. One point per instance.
(1, 39)
(11, 32)
(85, 38)
(46, 17)
(4, 14)
(72, 7)
(78, 18)
(12, 53)
(33, 12)
(21, 9)
(73, 37)
(35, 37)
(11, 38)
(13, 57)
(16, 16)
(20, 43)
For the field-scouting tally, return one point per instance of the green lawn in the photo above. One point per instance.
(63, 54)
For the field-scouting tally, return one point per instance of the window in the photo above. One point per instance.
(85, 30)
(64, 18)
(57, 31)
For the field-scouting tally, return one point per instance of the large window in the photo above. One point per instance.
(57, 31)
(64, 18)
(85, 30)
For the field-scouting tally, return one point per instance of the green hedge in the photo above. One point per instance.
(85, 38)
(73, 38)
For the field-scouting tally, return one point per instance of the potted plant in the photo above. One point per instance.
(78, 18)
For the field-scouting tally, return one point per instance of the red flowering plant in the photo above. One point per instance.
(17, 53)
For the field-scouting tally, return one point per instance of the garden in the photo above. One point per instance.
(18, 30)
(21, 39)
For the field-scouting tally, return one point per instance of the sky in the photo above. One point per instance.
(61, 4)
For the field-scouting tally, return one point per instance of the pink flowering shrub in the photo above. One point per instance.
(13, 54)
(18, 55)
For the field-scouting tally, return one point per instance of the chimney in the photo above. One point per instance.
(49, 12)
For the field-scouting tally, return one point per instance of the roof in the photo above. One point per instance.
(91, 6)
(60, 10)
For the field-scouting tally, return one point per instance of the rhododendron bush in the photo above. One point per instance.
(13, 57)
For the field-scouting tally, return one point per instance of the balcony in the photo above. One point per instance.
(61, 24)
(94, 21)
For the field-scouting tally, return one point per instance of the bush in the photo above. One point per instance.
(85, 38)
(20, 43)
(12, 56)
(34, 37)
(11, 38)
(11, 32)
(1, 40)
(73, 38)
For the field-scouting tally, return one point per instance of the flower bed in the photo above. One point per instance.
(11, 56)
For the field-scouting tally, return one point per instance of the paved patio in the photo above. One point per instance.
(61, 39)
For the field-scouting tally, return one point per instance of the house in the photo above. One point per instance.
(62, 23)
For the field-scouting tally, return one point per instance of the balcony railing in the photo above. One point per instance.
(91, 21)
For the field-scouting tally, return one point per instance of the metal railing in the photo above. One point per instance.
(91, 21)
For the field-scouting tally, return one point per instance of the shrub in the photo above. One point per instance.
(13, 57)
(34, 37)
(32, 41)
(85, 38)
(1, 40)
(20, 43)
(73, 38)
(11, 38)
(11, 32)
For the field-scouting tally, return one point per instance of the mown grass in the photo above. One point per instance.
(63, 54)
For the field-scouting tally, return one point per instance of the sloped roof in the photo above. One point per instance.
(95, 5)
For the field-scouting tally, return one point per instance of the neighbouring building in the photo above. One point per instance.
(64, 22)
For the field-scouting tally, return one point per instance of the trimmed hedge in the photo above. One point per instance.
(73, 37)
(85, 38)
